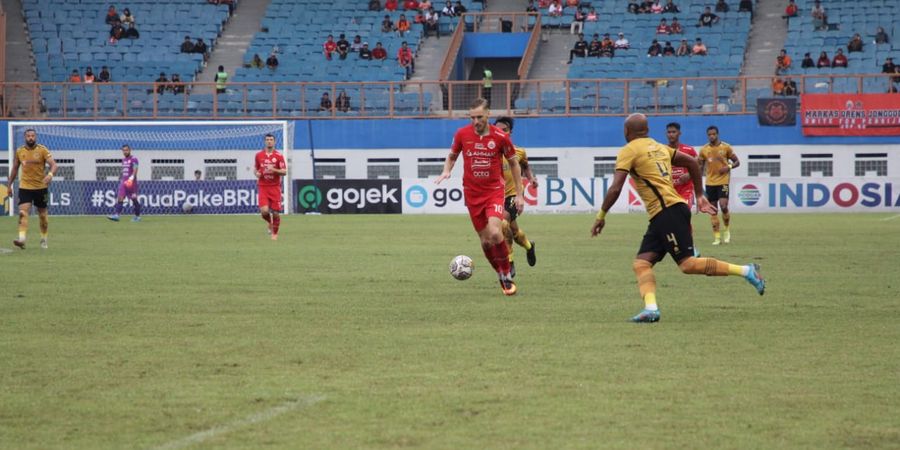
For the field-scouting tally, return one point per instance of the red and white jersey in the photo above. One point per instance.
(686, 189)
(265, 162)
(482, 158)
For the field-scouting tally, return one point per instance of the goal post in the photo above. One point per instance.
(88, 156)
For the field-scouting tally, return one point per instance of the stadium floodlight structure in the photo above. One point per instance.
(89, 153)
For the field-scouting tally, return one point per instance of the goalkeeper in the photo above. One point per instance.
(128, 186)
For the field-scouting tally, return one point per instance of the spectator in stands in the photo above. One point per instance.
(116, 32)
(594, 47)
(888, 66)
(379, 53)
(707, 19)
(823, 60)
(257, 62)
(75, 77)
(198, 175)
(176, 86)
(881, 37)
(656, 8)
(745, 6)
(410, 5)
(675, 27)
(572, 3)
(221, 80)
(543, 4)
(555, 9)
(777, 86)
(531, 8)
(807, 62)
(162, 82)
(591, 16)
(855, 44)
(655, 49)
(671, 8)
(342, 102)
(343, 46)
(405, 59)
(820, 17)
(387, 25)
(272, 62)
(329, 47)
(374, 5)
(579, 49)
(684, 49)
(126, 17)
(634, 7)
(646, 7)
(131, 32)
(699, 48)
(607, 46)
(790, 10)
(390, 5)
(89, 75)
(622, 43)
(325, 102)
(459, 9)
(402, 25)
(424, 5)
(187, 46)
(721, 6)
(663, 27)
(111, 15)
(577, 25)
(364, 52)
(782, 62)
(357, 44)
(790, 87)
(200, 47)
(432, 20)
(668, 49)
(839, 59)
(487, 84)
(448, 10)
(104, 75)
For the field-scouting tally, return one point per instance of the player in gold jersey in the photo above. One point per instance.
(511, 229)
(33, 158)
(650, 165)
(718, 159)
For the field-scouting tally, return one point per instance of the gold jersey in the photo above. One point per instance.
(507, 172)
(716, 157)
(33, 163)
(650, 165)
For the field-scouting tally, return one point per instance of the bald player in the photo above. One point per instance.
(34, 159)
(650, 165)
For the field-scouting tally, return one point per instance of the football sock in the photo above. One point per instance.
(711, 267)
(118, 208)
(488, 250)
(522, 240)
(137, 207)
(23, 226)
(715, 225)
(501, 257)
(265, 216)
(44, 235)
(646, 282)
(507, 235)
(726, 218)
(21, 235)
(276, 222)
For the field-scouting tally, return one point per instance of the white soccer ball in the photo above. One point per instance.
(187, 207)
(461, 267)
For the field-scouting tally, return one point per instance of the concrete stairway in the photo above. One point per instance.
(19, 60)
(235, 39)
(767, 35)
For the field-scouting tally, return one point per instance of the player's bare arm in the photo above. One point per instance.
(13, 173)
(688, 162)
(517, 179)
(49, 177)
(528, 174)
(612, 195)
(448, 167)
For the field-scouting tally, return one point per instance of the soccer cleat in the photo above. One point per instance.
(646, 316)
(508, 287)
(512, 269)
(44, 244)
(756, 279)
(136, 219)
(716, 242)
(19, 243)
(114, 217)
(726, 237)
(532, 258)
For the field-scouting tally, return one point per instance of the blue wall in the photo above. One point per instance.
(494, 45)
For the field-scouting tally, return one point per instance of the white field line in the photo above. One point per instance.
(891, 218)
(252, 419)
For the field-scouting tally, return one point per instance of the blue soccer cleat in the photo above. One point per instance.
(646, 316)
(756, 279)
(114, 217)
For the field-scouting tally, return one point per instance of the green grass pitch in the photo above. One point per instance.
(199, 332)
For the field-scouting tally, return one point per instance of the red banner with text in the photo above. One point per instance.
(850, 114)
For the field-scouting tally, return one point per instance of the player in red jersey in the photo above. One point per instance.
(269, 168)
(680, 176)
(482, 146)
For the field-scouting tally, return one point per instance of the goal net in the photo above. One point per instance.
(196, 167)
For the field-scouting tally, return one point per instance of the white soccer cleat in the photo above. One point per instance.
(726, 237)
(44, 244)
(716, 242)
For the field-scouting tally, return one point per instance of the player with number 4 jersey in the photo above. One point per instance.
(269, 167)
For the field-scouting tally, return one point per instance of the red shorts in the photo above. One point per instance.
(483, 207)
(687, 193)
(269, 196)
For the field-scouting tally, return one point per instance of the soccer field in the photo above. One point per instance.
(200, 332)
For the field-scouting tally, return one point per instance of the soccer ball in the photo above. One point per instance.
(461, 267)
(187, 207)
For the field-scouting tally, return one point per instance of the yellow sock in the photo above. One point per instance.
(522, 240)
(650, 302)
(44, 235)
(716, 235)
(646, 282)
(711, 267)
(21, 235)
(510, 251)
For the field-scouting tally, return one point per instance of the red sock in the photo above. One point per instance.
(276, 222)
(488, 250)
(265, 216)
(501, 257)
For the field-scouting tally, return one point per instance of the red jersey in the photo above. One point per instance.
(686, 190)
(482, 159)
(266, 161)
(329, 47)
